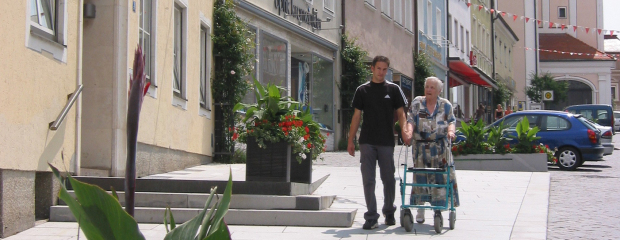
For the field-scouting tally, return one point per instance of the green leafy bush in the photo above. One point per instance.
(276, 118)
(475, 142)
(526, 137)
(497, 139)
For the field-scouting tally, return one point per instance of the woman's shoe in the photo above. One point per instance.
(420, 216)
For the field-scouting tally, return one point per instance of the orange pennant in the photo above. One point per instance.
(587, 30)
(480, 7)
(574, 28)
(468, 4)
(599, 31)
(514, 18)
(527, 19)
(563, 26)
(538, 22)
(550, 24)
(492, 10)
(503, 13)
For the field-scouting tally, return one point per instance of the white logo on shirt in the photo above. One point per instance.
(387, 96)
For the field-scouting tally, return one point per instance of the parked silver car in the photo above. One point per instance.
(606, 136)
(617, 120)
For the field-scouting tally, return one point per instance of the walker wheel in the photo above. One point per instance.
(438, 222)
(452, 219)
(407, 221)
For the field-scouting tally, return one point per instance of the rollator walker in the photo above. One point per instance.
(406, 217)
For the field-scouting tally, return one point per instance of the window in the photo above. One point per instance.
(467, 42)
(462, 39)
(179, 52)
(555, 123)
(429, 19)
(370, 2)
(561, 12)
(205, 98)
(455, 36)
(385, 7)
(145, 37)
(473, 31)
(499, 52)
(505, 56)
(438, 23)
(398, 11)
(329, 6)
(273, 60)
(46, 27)
(322, 92)
(408, 15)
(614, 95)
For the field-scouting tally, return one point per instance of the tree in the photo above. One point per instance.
(422, 71)
(540, 83)
(502, 94)
(354, 72)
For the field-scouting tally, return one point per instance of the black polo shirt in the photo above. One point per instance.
(378, 101)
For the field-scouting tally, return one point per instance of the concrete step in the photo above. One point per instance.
(238, 201)
(322, 218)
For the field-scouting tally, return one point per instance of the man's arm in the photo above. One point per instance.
(355, 123)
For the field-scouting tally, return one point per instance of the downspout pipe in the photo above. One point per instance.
(493, 18)
(78, 103)
(447, 49)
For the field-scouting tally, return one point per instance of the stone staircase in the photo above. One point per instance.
(287, 204)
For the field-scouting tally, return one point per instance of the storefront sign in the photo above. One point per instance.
(308, 16)
(406, 83)
(430, 51)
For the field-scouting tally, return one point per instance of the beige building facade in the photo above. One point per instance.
(176, 122)
(42, 69)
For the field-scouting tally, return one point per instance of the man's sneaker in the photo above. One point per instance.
(370, 224)
(420, 216)
(389, 220)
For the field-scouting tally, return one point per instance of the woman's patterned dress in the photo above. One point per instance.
(431, 149)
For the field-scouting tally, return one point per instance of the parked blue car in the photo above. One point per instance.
(576, 140)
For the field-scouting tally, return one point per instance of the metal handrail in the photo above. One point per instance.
(61, 117)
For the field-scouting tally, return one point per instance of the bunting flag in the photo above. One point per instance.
(614, 56)
(551, 24)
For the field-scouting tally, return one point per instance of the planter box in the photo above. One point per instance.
(530, 162)
(275, 163)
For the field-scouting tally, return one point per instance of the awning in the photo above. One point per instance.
(460, 71)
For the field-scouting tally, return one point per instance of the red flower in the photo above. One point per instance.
(235, 136)
(309, 145)
(547, 146)
(328, 134)
(454, 149)
(284, 129)
(507, 146)
(307, 130)
(542, 151)
(306, 137)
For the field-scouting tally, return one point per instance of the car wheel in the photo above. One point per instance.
(568, 158)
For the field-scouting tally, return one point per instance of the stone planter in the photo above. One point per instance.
(275, 163)
(530, 162)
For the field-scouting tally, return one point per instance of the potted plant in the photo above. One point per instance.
(282, 139)
(489, 149)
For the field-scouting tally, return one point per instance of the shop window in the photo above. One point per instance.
(322, 91)
(273, 60)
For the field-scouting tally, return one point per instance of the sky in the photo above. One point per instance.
(611, 17)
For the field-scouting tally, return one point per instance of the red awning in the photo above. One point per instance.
(467, 73)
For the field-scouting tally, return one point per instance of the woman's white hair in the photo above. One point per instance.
(438, 82)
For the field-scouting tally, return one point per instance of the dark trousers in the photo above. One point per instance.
(369, 156)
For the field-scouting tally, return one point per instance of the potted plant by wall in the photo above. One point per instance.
(489, 148)
(282, 139)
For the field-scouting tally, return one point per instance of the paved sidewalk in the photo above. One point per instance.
(494, 205)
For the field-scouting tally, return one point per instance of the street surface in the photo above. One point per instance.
(583, 204)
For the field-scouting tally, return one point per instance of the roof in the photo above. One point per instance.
(562, 42)
(612, 44)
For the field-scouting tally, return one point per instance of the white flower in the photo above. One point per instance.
(303, 156)
(232, 72)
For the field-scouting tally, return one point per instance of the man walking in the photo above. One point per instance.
(378, 99)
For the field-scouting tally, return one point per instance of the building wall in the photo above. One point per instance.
(379, 34)
(481, 37)
(38, 75)
(615, 82)
(579, 13)
(459, 13)
(178, 126)
(34, 92)
(504, 61)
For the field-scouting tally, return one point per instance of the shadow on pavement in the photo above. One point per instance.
(580, 169)
(418, 229)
